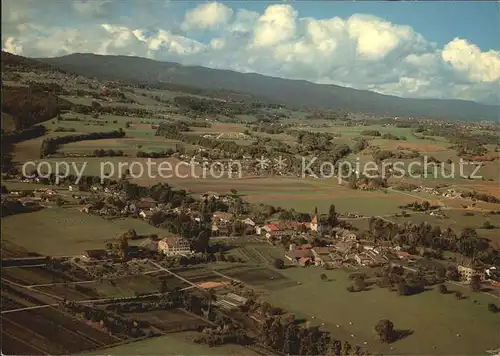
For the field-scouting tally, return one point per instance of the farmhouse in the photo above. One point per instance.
(146, 204)
(209, 195)
(369, 258)
(322, 256)
(343, 234)
(344, 247)
(174, 246)
(49, 191)
(220, 229)
(295, 255)
(150, 244)
(402, 254)
(146, 214)
(405, 265)
(248, 222)
(222, 217)
(468, 271)
(86, 208)
(304, 261)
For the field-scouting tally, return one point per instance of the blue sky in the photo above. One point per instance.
(424, 49)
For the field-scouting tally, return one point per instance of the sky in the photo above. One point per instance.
(424, 49)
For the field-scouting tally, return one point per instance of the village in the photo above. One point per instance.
(312, 241)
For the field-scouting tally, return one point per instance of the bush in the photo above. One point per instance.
(279, 263)
(493, 308)
(487, 225)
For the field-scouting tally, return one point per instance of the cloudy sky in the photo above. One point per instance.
(412, 49)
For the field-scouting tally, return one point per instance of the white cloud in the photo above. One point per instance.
(468, 58)
(361, 51)
(207, 16)
(277, 24)
(12, 45)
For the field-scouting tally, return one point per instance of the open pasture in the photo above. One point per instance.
(302, 194)
(128, 286)
(263, 278)
(174, 344)
(66, 231)
(129, 145)
(463, 327)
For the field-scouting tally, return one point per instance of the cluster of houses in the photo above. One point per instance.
(448, 193)
(344, 250)
(277, 229)
(34, 197)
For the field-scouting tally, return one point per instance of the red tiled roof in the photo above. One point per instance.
(273, 227)
(294, 225)
(322, 250)
(304, 247)
(304, 260)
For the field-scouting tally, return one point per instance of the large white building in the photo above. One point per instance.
(174, 246)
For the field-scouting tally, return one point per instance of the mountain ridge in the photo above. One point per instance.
(134, 69)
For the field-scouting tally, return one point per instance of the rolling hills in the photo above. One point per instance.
(270, 89)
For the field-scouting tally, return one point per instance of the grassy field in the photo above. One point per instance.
(303, 194)
(173, 344)
(434, 318)
(66, 231)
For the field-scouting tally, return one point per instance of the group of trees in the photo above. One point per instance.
(108, 153)
(111, 110)
(480, 196)
(467, 242)
(389, 136)
(13, 207)
(112, 322)
(313, 141)
(213, 107)
(159, 154)
(359, 145)
(408, 283)
(408, 187)
(50, 145)
(359, 283)
(356, 182)
(382, 155)
(370, 133)
(419, 206)
(269, 128)
(284, 335)
(29, 106)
